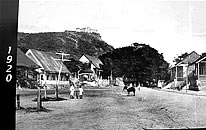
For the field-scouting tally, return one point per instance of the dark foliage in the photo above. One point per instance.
(26, 81)
(136, 63)
(73, 65)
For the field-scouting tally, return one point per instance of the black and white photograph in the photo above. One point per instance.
(109, 65)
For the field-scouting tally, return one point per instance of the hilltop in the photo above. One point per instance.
(73, 42)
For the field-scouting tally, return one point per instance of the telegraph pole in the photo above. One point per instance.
(190, 33)
(60, 69)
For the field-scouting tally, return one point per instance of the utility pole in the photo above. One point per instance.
(190, 18)
(62, 59)
(190, 33)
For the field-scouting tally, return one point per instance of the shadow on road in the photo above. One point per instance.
(43, 99)
(33, 109)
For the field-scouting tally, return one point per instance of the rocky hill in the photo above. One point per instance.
(72, 42)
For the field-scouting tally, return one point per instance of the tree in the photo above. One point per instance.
(137, 63)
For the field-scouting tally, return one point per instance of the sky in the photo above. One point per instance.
(172, 27)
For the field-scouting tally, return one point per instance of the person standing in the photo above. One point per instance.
(76, 91)
(72, 91)
(139, 86)
(80, 92)
(18, 88)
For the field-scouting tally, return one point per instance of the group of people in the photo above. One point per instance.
(76, 90)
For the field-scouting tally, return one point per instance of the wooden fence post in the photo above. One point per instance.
(18, 101)
(39, 104)
(56, 92)
(45, 89)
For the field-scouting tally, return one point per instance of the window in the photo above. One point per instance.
(180, 71)
(42, 77)
(61, 78)
(53, 77)
(202, 68)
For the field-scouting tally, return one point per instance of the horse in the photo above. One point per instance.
(130, 89)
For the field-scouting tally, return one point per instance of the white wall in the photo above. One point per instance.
(84, 59)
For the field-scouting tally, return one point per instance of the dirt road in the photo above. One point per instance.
(107, 109)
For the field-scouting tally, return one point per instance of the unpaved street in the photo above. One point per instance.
(110, 108)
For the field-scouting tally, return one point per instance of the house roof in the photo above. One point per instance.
(48, 62)
(94, 60)
(24, 61)
(199, 59)
(190, 58)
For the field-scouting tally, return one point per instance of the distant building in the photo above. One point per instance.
(87, 30)
(49, 68)
(94, 70)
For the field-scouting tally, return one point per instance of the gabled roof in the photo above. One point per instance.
(199, 59)
(190, 58)
(47, 61)
(94, 60)
(24, 61)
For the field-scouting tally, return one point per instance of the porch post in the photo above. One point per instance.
(187, 77)
(198, 72)
(176, 77)
(101, 75)
(45, 85)
(98, 74)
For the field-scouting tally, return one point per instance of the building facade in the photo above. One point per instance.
(181, 72)
(94, 70)
(199, 77)
(50, 68)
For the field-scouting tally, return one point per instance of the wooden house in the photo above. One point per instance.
(94, 70)
(182, 69)
(25, 69)
(49, 68)
(199, 76)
